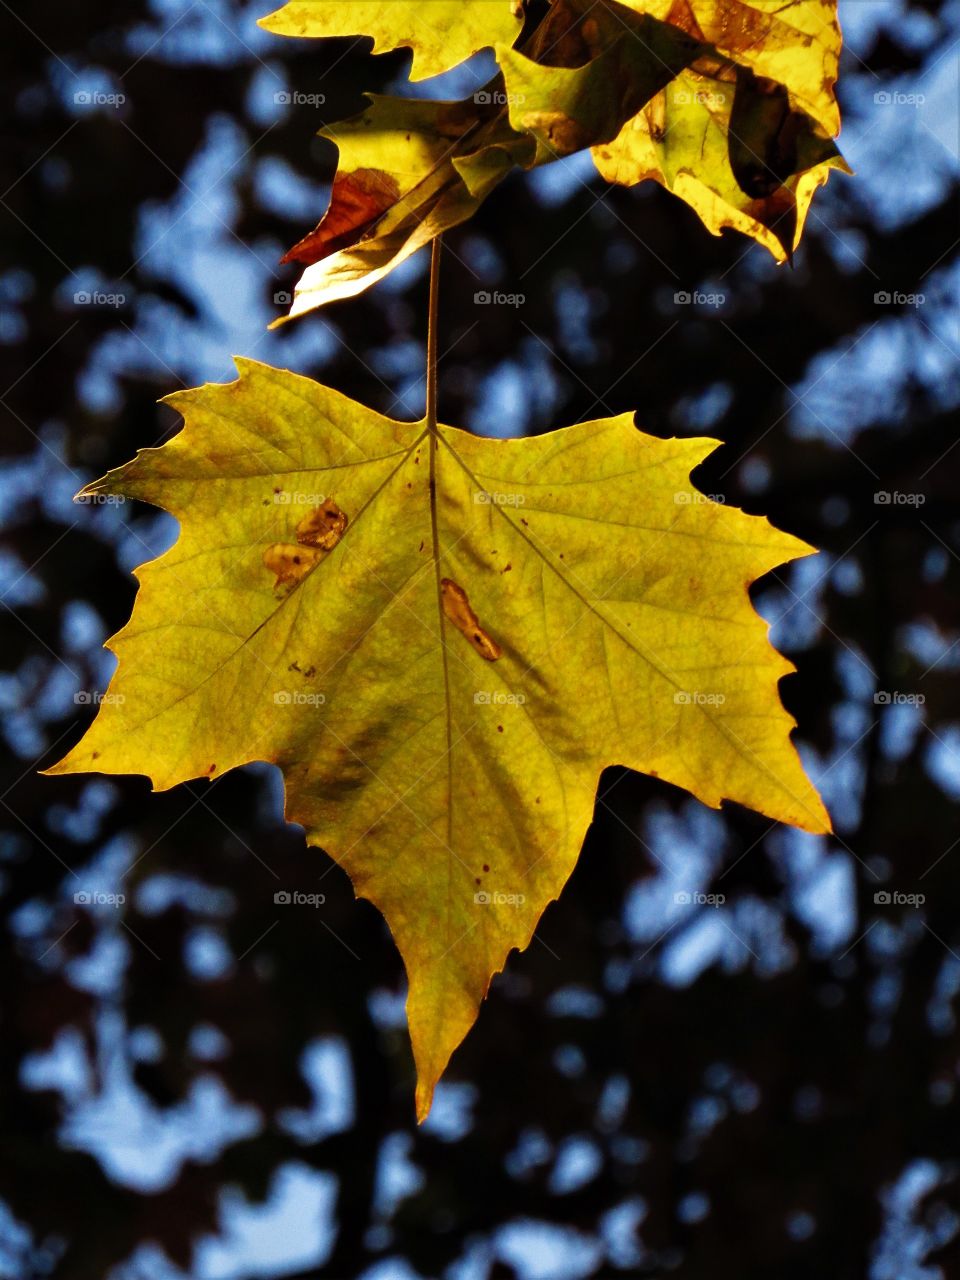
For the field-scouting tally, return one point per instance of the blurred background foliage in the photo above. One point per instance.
(201, 1082)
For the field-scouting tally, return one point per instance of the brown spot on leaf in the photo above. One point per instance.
(289, 563)
(322, 527)
(456, 607)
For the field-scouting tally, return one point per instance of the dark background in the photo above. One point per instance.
(199, 1083)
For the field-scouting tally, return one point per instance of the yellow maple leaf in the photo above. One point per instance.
(441, 33)
(441, 640)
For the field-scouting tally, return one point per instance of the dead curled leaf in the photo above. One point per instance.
(729, 105)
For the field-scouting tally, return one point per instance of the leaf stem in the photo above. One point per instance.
(432, 309)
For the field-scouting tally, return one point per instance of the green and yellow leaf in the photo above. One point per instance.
(441, 641)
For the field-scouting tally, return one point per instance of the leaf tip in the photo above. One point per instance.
(424, 1099)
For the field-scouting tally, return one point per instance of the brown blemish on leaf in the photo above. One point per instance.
(317, 534)
(290, 563)
(322, 527)
(358, 201)
(456, 607)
